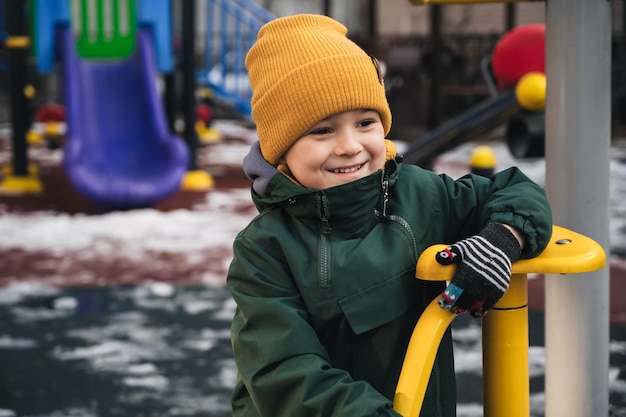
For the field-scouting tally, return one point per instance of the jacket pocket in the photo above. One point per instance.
(381, 303)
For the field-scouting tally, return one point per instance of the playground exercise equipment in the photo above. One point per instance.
(119, 151)
(51, 118)
(477, 120)
(483, 161)
(505, 328)
(519, 64)
(20, 177)
(525, 132)
(232, 26)
(204, 117)
(196, 179)
(517, 98)
(578, 54)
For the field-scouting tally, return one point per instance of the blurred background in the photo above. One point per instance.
(123, 124)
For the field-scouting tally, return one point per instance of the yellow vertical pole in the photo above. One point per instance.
(505, 353)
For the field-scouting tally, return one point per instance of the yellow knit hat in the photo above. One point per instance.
(304, 69)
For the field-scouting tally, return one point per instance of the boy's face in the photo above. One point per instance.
(340, 149)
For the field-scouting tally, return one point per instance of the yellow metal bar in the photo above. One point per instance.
(15, 42)
(419, 359)
(12, 184)
(18, 185)
(197, 180)
(506, 382)
(505, 327)
(567, 253)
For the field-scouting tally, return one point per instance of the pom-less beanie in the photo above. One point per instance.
(304, 69)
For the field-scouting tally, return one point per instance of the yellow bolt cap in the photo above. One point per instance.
(483, 157)
(531, 91)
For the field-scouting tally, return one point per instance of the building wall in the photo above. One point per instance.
(399, 17)
(352, 13)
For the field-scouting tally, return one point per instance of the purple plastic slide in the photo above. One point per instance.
(119, 151)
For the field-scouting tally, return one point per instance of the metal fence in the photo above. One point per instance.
(231, 29)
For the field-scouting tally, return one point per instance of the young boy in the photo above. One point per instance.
(324, 277)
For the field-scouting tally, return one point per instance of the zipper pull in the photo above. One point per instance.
(322, 213)
(385, 196)
(325, 226)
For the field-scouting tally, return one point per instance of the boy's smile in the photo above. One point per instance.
(340, 149)
(346, 170)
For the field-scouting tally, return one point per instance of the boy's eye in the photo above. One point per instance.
(320, 131)
(365, 123)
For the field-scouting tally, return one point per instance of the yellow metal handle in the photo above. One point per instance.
(420, 358)
(17, 42)
(506, 381)
(567, 252)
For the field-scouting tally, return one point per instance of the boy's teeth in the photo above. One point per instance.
(346, 170)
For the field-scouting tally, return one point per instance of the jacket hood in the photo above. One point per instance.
(339, 205)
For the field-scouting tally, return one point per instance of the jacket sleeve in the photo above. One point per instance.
(281, 363)
(509, 197)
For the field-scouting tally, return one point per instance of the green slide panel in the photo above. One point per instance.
(105, 29)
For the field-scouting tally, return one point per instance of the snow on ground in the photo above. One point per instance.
(132, 233)
(135, 233)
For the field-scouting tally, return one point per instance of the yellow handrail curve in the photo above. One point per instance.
(568, 252)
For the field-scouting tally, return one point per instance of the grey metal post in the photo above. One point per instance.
(578, 114)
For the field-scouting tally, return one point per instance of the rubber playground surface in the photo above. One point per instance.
(126, 313)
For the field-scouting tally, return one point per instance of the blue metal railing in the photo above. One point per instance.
(232, 26)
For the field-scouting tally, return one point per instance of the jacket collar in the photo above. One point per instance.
(345, 207)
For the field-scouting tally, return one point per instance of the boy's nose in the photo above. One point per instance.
(347, 144)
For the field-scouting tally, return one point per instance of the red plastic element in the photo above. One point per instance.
(204, 113)
(51, 113)
(520, 51)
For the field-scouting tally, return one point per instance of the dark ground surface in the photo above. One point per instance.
(141, 351)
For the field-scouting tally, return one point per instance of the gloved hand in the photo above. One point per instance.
(484, 271)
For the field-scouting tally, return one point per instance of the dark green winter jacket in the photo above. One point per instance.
(324, 282)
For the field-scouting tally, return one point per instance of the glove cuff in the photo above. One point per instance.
(501, 237)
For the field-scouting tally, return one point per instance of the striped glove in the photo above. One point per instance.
(484, 271)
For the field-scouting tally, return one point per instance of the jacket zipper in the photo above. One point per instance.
(409, 232)
(385, 187)
(324, 242)
(395, 218)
